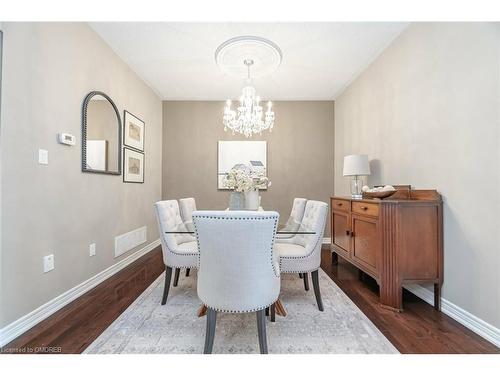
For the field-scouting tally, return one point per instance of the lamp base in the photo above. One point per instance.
(356, 191)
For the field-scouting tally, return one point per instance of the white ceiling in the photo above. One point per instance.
(319, 59)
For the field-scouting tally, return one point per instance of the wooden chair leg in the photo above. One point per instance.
(166, 288)
(273, 312)
(317, 293)
(176, 277)
(187, 272)
(267, 311)
(261, 327)
(306, 280)
(210, 333)
(300, 275)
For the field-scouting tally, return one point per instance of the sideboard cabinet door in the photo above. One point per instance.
(365, 242)
(341, 232)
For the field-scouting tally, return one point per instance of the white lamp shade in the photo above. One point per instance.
(356, 165)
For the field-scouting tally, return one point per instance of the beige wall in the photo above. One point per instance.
(427, 112)
(300, 153)
(48, 69)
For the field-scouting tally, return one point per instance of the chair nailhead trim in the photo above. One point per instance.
(181, 254)
(314, 269)
(183, 267)
(240, 311)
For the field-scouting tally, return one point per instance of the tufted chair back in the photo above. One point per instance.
(187, 207)
(238, 271)
(169, 219)
(293, 222)
(298, 208)
(314, 220)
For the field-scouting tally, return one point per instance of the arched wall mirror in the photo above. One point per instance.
(101, 135)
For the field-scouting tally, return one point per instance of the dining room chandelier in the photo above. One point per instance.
(249, 117)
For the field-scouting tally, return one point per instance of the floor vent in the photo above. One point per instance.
(128, 241)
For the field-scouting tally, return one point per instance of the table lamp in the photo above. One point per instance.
(356, 166)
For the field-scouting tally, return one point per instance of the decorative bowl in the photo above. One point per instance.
(378, 194)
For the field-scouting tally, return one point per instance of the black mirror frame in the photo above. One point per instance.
(84, 134)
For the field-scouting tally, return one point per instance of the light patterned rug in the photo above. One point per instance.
(148, 327)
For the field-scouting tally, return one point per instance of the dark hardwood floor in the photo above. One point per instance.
(419, 329)
(75, 326)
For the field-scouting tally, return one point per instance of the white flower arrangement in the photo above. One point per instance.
(243, 180)
(260, 181)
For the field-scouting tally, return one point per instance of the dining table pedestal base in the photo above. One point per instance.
(202, 311)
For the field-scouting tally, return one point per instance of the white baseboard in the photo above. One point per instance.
(475, 324)
(327, 240)
(21, 325)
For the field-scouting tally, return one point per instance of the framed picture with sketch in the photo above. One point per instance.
(133, 131)
(133, 166)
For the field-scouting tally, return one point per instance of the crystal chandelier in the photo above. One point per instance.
(247, 119)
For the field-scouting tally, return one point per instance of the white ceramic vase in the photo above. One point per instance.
(252, 200)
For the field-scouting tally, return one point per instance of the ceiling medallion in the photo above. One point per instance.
(236, 57)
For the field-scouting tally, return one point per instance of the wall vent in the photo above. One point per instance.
(127, 241)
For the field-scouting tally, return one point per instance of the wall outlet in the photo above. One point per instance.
(48, 263)
(92, 249)
(43, 157)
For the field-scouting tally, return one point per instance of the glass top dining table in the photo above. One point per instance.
(282, 229)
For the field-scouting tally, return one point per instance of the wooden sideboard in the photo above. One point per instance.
(395, 240)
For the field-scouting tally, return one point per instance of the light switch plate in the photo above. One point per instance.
(92, 249)
(48, 263)
(43, 157)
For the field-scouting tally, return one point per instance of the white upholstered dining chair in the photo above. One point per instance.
(187, 206)
(238, 271)
(293, 222)
(179, 250)
(292, 225)
(303, 253)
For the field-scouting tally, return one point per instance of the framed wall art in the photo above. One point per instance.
(232, 153)
(133, 166)
(133, 131)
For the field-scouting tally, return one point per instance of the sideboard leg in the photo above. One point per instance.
(437, 297)
(335, 259)
(391, 296)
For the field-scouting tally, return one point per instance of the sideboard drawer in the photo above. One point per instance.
(340, 205)
(370, 209)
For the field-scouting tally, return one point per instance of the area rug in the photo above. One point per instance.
(148, 327)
